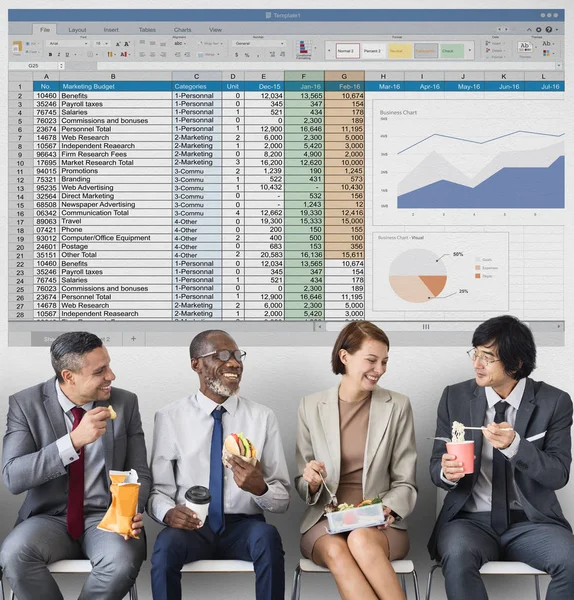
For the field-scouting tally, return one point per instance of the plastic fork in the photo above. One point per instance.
(333, 497)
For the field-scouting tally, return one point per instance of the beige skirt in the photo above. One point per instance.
(398, 539)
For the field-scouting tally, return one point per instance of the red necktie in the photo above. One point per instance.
(75, 514)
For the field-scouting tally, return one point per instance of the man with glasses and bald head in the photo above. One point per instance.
(507, 508)
(187, 452)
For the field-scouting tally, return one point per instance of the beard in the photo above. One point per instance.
(221, 388)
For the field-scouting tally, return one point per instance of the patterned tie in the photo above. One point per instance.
(215, 517)
(75, 514)
(499, 516)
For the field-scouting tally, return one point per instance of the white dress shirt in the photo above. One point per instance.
(181, 454)
(481, 497)
(96, 490)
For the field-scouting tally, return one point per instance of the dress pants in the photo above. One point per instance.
(44, 539)
(469, 541)
(246, 537)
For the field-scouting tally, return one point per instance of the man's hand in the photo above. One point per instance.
(137, 526)
(91, 427)
(498, 438)
(247, 476)
(181, 517)
(452, 469)
(311, 475)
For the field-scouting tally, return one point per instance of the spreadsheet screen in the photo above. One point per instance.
(282, 173)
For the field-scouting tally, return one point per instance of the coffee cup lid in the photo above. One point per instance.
(198, 494)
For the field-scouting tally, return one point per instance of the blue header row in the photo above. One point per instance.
(314, 15)
(195, 87)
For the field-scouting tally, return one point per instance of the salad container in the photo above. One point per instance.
(348, 519)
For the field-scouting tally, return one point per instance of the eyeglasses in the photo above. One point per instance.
(225, 355)
(474, 354)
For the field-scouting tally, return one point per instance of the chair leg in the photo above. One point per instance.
(296, 590)
(403, 583)
(537, 586)
(134, 593)
(429, 580)
(416, 585)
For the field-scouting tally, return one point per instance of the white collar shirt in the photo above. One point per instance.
(181, 454)
(481, 498)
(96, 492)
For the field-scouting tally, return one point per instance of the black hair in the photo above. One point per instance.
(514, 343)
(67, 350)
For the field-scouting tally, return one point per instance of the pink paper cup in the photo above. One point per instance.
(464, 452)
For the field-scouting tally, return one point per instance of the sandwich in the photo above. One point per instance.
(237, 444)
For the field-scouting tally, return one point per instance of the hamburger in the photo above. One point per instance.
(238, 445)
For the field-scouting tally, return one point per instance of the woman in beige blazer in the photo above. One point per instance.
(360, 437)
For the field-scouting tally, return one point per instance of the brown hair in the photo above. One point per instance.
(351, 338)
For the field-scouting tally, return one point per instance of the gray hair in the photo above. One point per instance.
(197, 346)
(67, 351)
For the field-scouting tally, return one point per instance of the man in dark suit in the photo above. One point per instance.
(59, 447)
(507, 509)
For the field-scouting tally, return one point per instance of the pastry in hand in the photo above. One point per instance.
(113, 413)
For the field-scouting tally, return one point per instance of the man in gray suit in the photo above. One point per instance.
(507, 509)
(59, 447)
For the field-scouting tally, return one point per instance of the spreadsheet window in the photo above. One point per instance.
(282, 173)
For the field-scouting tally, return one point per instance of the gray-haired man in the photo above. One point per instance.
(59, 447)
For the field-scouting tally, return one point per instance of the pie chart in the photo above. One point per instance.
(417, 275)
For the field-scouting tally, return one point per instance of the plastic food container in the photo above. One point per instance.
(353, 518)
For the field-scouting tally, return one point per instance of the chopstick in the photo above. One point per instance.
(481, 428)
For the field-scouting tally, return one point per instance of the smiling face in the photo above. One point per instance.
(492, 374)
(365, 367)
(91, 382)
(217, 379)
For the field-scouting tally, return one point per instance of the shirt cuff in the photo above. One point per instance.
(266, 501)
(158, 509)
(452, 484)
(511, 451)
(68, 454)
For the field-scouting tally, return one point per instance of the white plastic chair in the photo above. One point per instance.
(218, 566)
(493, 567)
(401, 567)
(76, 566)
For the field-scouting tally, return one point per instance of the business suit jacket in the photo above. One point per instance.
(540, 466)
(31, 461)
(390, 451)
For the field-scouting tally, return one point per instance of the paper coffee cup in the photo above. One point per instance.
(464, 452)
(197, 499)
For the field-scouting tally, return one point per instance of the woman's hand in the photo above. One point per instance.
(389, 518)
(311, 475)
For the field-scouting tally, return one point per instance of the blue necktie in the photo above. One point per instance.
(216, 519)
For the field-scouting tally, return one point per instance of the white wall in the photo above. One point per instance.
(280, 376)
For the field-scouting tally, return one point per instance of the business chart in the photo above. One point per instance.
(441, 271)
(461, 155)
